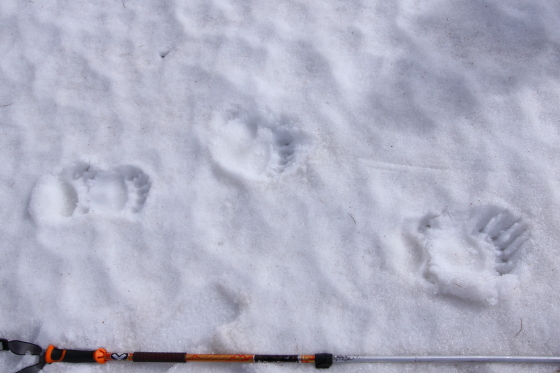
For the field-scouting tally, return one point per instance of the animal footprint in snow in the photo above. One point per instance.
(469, 254)
(86, 189)
(507, 234)
(254, 145)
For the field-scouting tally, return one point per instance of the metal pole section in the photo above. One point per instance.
(445, 359)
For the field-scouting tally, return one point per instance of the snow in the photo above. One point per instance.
(280, 177)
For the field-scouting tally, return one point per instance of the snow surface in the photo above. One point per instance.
(283, 177)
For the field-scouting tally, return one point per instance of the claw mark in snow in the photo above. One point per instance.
(399, 167)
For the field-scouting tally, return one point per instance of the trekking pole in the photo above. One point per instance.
(321, 361)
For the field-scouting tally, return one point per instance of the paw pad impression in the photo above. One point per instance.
(86, 189)
(255, 144)
(469, 253)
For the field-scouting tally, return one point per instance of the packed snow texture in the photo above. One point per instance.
(280, 177)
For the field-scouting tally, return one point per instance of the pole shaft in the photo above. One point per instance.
(174, 357)
(445, 359)
(243, 358)
(220, 358)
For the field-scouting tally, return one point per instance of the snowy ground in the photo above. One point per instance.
(280, 177)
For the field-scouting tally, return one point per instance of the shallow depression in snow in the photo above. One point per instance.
(84, 189)
(255, 144)
(469, 252)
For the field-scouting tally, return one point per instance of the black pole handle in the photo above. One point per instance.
(55, 355)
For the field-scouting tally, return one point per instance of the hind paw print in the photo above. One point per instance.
(254, 144)
(86, 189)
